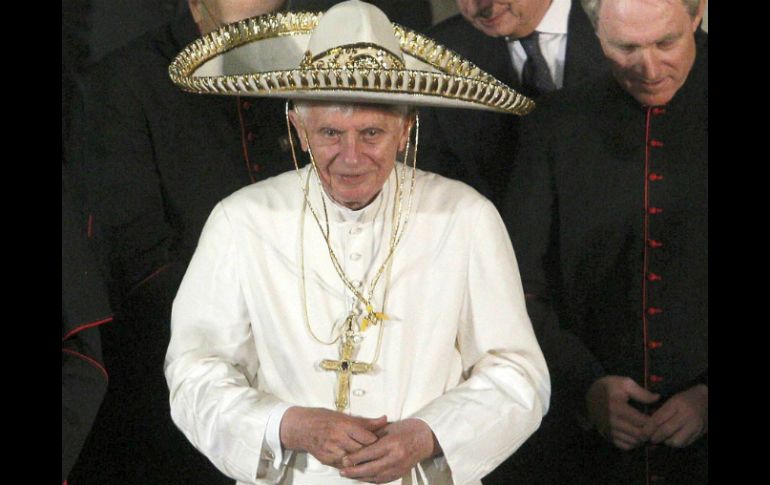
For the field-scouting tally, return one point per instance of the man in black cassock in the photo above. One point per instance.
(608, 212)
(154, 163)
(84, 309)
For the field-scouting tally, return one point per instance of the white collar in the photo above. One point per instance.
(556, 18)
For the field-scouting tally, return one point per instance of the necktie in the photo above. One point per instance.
(535, 76)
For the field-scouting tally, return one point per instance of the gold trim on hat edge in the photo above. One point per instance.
(459, 79)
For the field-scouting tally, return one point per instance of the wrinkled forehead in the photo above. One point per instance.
(642, 22)
(241, 9)
(634, 9)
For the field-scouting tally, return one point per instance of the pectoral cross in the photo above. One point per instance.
(345, 368)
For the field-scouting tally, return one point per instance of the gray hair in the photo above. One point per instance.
(592, 8)
(301, 107)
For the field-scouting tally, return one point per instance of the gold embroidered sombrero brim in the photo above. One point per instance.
(269, 56)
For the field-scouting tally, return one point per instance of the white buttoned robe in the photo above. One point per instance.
(458, 350)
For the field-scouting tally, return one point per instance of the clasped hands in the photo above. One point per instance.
(677, 423)
(367, 449)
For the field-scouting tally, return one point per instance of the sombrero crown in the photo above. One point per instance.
(351, 53)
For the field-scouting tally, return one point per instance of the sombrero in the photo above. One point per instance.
(351, 53)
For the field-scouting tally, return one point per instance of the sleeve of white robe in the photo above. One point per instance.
(211, 362)
(486, 418)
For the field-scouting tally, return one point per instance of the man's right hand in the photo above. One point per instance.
(614, 418)
(327, 435)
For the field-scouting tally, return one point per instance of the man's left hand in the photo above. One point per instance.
(682, 419)
(401, 446)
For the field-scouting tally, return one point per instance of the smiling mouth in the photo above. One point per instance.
(490, 21)
(351, 179)
(650, 84)
(487, 16)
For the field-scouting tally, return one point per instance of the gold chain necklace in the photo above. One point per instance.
(346, 366)
(345, 279)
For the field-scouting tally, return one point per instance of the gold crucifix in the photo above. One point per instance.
(345, 367)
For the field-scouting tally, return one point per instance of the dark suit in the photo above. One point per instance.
(155, 162)
(608, 212)
(477, 147)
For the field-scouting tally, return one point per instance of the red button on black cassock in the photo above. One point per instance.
(654, 310)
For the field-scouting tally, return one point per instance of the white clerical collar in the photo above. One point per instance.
(556, 18)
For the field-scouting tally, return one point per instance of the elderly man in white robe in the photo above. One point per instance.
(355, 319)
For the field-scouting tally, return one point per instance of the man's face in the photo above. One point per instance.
(354, 149)
(499, 18)
(209, 15)
(650, 45)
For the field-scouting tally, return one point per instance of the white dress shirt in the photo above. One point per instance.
(458, 350)
(552, 40)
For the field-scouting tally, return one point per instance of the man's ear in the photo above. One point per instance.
(299, 129)
(195, 10)
(696, 21)
(408, 123)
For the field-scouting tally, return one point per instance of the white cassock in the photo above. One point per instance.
(458, 350)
